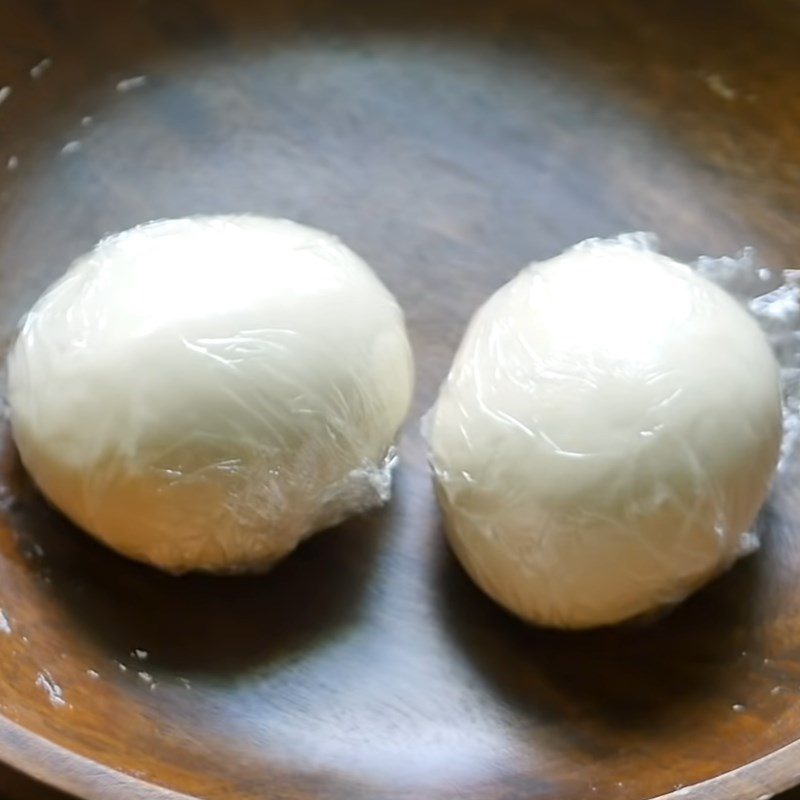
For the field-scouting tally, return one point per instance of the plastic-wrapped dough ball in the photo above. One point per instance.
(605, 437)
(204, 393)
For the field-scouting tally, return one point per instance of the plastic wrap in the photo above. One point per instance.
(610, 428)
(205, 393)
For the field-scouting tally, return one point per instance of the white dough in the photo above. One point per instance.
(202, 394)
(606, 436)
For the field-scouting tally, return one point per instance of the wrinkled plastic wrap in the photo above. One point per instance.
(611, 425)
(202, 394)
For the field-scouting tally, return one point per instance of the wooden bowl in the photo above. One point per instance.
(449, 143)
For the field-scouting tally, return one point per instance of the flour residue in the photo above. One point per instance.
(39, 69)
(720, 87)
(129, 84)
(55, 694)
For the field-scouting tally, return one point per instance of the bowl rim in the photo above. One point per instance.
(60, 768)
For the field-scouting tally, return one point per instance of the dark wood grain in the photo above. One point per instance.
(449, 143)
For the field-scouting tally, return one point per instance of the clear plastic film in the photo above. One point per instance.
(611, 425)
(203, 394)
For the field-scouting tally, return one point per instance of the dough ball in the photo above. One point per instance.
(605, 437)
(204, 393)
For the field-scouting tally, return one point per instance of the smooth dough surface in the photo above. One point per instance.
(606, 436)
(203, 393)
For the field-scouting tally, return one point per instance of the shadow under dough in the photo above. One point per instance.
(624, 678)
(196, 624)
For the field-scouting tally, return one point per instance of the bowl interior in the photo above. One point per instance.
(449, 144)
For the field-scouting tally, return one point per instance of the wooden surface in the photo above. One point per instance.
(449, 143)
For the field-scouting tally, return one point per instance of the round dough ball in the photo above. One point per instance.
(204, 393)
(606, 435)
